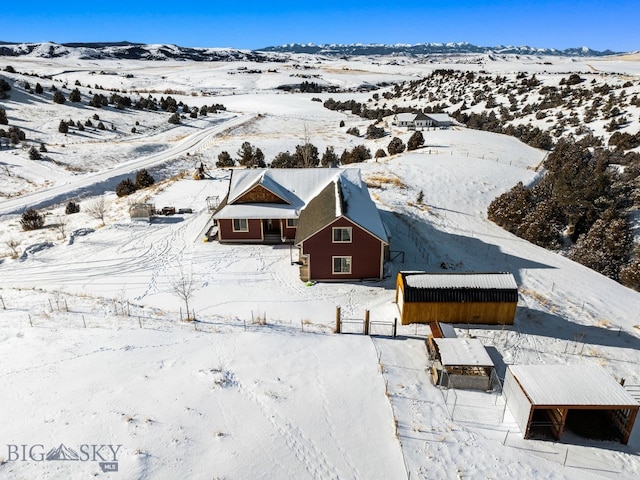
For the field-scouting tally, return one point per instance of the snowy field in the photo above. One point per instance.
(94, 351)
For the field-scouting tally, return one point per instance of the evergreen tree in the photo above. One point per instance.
(125, 187)
(75, 96)
(329, 158)
(306, 156)
(144, 179)
(63, 127)
(415, 141)
(39, 88)
(58, 97)
(225, 160)
(396, 145)
(374, 132)
(605, 248)
(72, 207)
(284, 160)
(3, 117)
(509, 209)
(380, 153)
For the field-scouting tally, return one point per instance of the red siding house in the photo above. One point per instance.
(327, 213)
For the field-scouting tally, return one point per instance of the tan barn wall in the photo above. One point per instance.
(491, 313)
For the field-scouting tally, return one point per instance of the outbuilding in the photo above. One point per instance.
(461, 363)
(546, 400)
(479, 298)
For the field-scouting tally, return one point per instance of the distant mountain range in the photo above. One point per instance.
(140, 51)
(432, 49)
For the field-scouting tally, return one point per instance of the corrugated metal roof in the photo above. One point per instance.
(578, 385)
(459, 287)
(463, 352)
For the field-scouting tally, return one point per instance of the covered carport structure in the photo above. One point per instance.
(547, 399)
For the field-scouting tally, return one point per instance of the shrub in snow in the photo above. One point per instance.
(72, 207)
(125, 187)
(31, 220)
(144, 179)
(34, 154)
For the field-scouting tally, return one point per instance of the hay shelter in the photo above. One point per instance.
(546, 400)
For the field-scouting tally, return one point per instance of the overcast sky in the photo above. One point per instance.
(252, 24)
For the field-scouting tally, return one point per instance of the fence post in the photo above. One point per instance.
(366, 322)
(337, 329)
(395, 326)
(3, 305)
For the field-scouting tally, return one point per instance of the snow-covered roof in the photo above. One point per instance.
(405, 117)
(570, 385)
(296, 185)
(461, 280)
(257, 211)
(467, 352)
(441, 117)
(299, 186)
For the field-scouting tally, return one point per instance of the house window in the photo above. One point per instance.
(342, 235)
(240, 225)
(292, 222)
(341, 265)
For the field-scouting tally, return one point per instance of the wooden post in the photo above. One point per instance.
(140, 322)
(395, 327)
(337, 329)
(3, 305)
(366, 322)
(66, 307)
(84, 321)
(30, 321)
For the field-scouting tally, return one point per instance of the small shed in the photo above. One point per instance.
(482, 298)
(546, 400)
(141, 212)
(461, 363)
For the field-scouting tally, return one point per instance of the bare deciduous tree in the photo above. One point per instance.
(97, 209)
(13, 244)
(61, 227)
(183, 287)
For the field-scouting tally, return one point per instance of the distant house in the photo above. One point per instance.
(423, 120)
(546, 400)
(327, 213)
(483, 298)
(404, 120)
